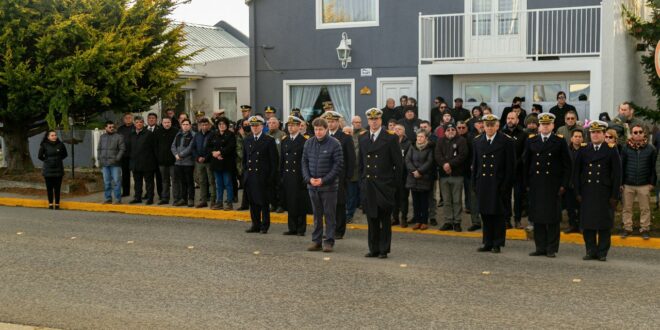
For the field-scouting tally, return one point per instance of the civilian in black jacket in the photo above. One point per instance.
(221, 150)
(51, 152)
(126, 130)
(400, 210)
(411, 123)
(517, 133)
(164, 138)
(143, 161)
(561, 109)
(451, 153)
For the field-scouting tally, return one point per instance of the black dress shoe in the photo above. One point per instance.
(339, 236)
(551, 255)
(537, 253)
(289, 233)
(371, 255)
(243, 208)
(163, 202)
(301, 234)
(252, 230)
(135, 201)
(149, 202)
(484, 249)
(279, 210)
(602, 258)
(382, 256)
(457, 228)
(589, 257)
(433, 222)
(571, 230)
(474, 228)
(496, 249)
(447, 226)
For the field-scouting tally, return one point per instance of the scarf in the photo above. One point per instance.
(421, 146)
(637, 145)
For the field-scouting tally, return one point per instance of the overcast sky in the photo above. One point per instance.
(209, 12)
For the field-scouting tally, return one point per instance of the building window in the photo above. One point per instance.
(346, 13)
(546, 92)
(227, 101)
(506, 93)
(578, 92)
(311, 98)
(478, 93)
(508, 20)
(481, 14)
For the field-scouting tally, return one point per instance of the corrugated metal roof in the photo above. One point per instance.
(214, 42)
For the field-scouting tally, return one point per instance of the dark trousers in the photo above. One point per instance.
(125, 177)
(401, 203)
(494, 230)
(380, 231)
(167, 175)
(184, 176)
(324, 205)
(353, 199)
(467, 183)
(572, 208)
(597, 242)
(244, 199)
(340, 230)
(421, 206)
(517, 193)
(260, 215)
(297, 223)
(546, 237)
(159, 184)
(146, 178)
(53, 187)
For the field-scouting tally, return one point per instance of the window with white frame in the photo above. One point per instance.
(481, 14)
(310, 99)
(478, 93)
(545, 92)
(346, 13)
(227, 101)
(578, 92)
(506, 93)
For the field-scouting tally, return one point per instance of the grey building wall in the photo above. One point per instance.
(286, 45)
(443, 86)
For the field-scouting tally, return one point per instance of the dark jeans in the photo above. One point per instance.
(467, 183)
(516, 212)
(597, 242)
(421, 206)
(125, 177)
(401, 203)
(53, 187)
(353, 200)
(324, 205)
(184, 178)
(146, 177)
(167, 176)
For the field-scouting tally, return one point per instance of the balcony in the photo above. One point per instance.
(538, 34)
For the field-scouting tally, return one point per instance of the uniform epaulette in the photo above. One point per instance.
(363, 132)
(560, 135)
(507, 135)
(612, 145)
(583, 145)
(306, 136)
(390, 132)
(531, 136)
(478, 136)
(284, 137)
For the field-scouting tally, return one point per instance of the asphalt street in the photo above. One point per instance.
(78, 270)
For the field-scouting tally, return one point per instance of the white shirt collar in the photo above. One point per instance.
(492, 137)
(293, 137)
(376, 133)
(256, 137)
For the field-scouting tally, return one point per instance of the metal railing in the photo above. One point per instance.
(534, 33)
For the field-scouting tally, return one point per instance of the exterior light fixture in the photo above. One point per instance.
(344, 50)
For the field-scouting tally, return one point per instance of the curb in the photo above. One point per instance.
(281, 218)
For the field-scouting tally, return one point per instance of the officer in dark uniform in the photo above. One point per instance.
(348, 151)
(597, 180)
(293, 184)
(270, 111)
(492, 176)
(380, 170)
(547, 176)
(260, 162)
(245, 112)
(296, 113)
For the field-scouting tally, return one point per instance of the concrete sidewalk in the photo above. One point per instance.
(92, 203)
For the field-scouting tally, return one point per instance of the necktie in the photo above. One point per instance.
(596, 148)
(256, 138)
(490, 141)
(373, 137)
(545, 139)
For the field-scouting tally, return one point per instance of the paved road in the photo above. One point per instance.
(100, 280)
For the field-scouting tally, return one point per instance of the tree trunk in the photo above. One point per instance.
(17, 154)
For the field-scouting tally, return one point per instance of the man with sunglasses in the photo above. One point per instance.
(439, 107)
(638, 163)
(561, 109)
(571, 124)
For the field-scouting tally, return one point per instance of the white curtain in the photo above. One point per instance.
(303, 98)
(349, 10)
(341, 99)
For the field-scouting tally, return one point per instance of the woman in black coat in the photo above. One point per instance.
(221, 150)
(52, 152)
(419, 165)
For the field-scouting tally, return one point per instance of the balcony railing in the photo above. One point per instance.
(526, 34)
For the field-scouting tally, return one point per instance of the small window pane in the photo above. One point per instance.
(228, 102)
(478, 93)
(508, 22)
(481, 16)
(578, 92)
(546, 93)
(506, 93)
(346, 11)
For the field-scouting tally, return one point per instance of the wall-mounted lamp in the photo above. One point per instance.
(344, 51)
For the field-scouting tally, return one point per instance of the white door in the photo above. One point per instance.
(495, 29)
(395, 88)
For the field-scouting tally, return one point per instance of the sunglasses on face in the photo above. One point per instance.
(637, 132)
(461, 127)
(570, 118)
(443, 107)
(609, 137)
(561, 97)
